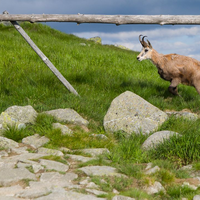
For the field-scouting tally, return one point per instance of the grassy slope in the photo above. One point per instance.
(99, 74)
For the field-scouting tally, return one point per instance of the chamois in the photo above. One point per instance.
(172, 67)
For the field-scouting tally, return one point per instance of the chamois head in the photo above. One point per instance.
(146, 50)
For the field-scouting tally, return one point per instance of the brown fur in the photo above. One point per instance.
(174, 68)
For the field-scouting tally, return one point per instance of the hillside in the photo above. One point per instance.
(98, 73)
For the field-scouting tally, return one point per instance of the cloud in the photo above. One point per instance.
(181, 40)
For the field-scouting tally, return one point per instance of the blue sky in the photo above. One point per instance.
(183, 40)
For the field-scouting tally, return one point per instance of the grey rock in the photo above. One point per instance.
(155, 188)
(79, 158)
(49, 164)
(21, 114)
(96, 192)
(54, 152)
(56, 179)
(32, 193)
(9, 198)
(35, 141)
(130, 113)
(157, 138)
(10, 191)
(196, 197)
(153, 170)
(64, 129)
(7, 143)
(96, 39)
(67, 115)
(184, 114)
(120, 197)
(100, 171)
(8, 176)
(69, 195)
(95, 151)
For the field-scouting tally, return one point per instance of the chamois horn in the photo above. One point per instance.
(143, 43)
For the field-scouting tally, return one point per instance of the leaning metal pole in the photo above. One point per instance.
(44, 58)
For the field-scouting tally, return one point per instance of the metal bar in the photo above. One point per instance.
(44, 58)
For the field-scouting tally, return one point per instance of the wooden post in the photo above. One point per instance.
(44, 58)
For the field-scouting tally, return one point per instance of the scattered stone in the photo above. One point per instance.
(79, 158)
(96, 151)
(7, 143)
(121, 47)
(35, 141)
(184, 114)
(53, 152)
(8, 175)
(92, 185)
(96, 192)
(50, 164)
(67, 115)
(196, 197)
(64, 129)
(100, 171)
(99, 136)
(153, 170)
(120, 197)
(157, 138)
(20, 114)
(155, 188)
(130, 113)
(96, 39)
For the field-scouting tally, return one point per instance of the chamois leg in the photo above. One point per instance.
(173, 87)
(197, 87)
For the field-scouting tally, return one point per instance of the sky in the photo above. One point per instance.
(184, 40)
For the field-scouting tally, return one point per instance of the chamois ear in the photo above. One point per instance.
(149, 44)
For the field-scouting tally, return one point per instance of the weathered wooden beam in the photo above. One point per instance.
(111, 19)
(44, 58)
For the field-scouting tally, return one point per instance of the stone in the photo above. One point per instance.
(130, 113)
(35, 141)
(67, 115)
(157, 138)
(7, 143)
(96, 192)
(96, 39)
(57, 179)
(121, 47)
(64, 129)
(79, 158)
(8, 175)
(153, 170)
(196, 197)
(53, 152)
(10, 191)
(50, 164)
(184, 114)
(95, 151)
(120, 197)
(21, 114)
(155, 188)
(100, 171)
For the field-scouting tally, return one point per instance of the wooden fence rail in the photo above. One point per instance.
(110, 19)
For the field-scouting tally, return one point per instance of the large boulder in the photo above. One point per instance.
(130, 113)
